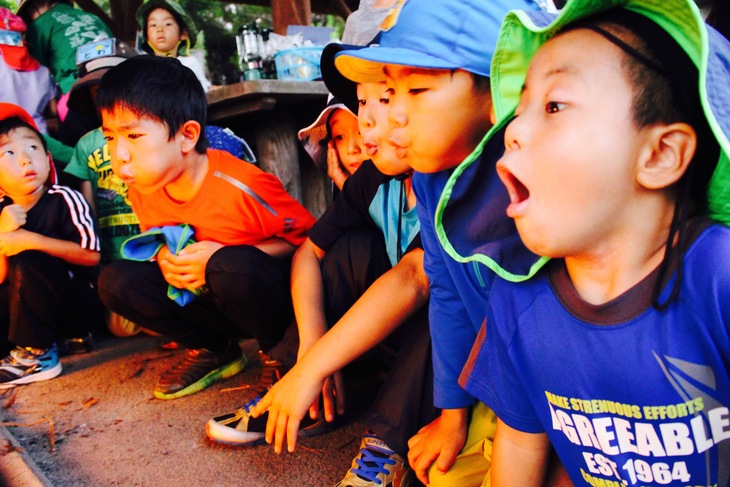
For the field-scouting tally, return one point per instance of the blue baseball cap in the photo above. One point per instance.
(435, 34)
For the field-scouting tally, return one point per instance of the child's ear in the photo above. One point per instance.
(190, 132)
(666, 155)
(184, 35)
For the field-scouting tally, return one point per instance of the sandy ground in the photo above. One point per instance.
(99, 425)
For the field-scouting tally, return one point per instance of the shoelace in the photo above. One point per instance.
(371, 464)
(251, 404)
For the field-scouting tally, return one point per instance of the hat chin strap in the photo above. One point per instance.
(171, 52)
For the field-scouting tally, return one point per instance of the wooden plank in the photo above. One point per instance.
(123, 15)
(280, 88)
(290, 12)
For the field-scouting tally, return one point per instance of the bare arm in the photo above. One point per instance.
(307, 295)
(518, 458)
(393, 298)
(387, 303)
(12, 243)
(277, 247)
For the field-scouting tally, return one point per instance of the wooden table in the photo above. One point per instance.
(268, 114)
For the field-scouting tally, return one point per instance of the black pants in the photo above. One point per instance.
(248, 297)
(42, 299)
(404, 400)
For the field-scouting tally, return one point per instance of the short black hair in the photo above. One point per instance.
(11, 123)
(160, 88)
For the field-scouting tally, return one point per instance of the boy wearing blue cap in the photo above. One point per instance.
(617, 351)
(357, 281)
(438, 80)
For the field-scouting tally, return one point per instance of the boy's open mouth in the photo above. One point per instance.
(518, 192)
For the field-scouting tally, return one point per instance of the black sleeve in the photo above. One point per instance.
(350, 209)
(415, 243)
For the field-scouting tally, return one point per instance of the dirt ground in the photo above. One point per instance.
(98, 424)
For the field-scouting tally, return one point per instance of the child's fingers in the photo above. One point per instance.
(291, 434)
(271, 425)
(328, 400)
(281, 432)
(446, 459)
(262, 406)
(340, 393)
(314, 409)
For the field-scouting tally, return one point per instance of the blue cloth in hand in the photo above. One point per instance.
(145, 246)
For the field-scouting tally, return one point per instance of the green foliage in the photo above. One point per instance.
(9, 4)
(218, 21)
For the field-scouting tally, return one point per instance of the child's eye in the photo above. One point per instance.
(362, 102)
(338, 138)
(108, 138)
(416, 91)
(134, 136)
(554, 106)
(384, 101)
(7, 153)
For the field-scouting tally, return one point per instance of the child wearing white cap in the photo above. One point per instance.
(334, 143)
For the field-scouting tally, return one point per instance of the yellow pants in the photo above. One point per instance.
(471, 467)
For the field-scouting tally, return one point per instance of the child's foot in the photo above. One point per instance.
(375, 465)
(199, 369)
(240, 428)
(26, 365)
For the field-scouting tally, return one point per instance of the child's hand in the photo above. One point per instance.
(333, 398)
(287, 402)
(334, 167)
(12, 217)
(187, 269)
(441, 441)
(15, 242)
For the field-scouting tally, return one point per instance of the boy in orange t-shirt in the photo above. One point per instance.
(246, 227)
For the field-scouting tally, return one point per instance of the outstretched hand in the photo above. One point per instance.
(288, 401)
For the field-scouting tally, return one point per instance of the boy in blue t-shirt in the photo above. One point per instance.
(617, 351)
(438, 80)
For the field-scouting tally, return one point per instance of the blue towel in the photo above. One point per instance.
(144, 246)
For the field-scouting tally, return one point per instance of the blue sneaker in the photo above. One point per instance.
(23, 366)
(376, 465)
